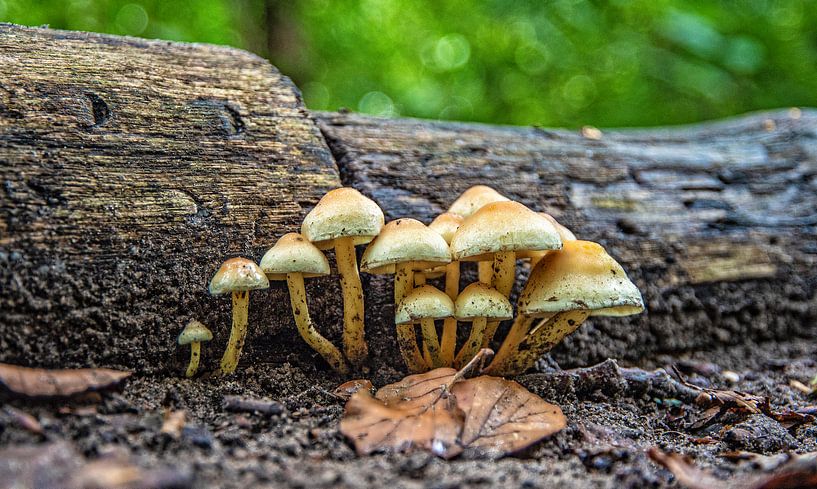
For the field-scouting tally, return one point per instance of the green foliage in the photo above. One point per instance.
(550, 63)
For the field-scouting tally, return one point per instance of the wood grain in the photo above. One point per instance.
(716, 223)
(130, 169)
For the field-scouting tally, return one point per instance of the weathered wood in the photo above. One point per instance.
(130, 169)
(717, 223)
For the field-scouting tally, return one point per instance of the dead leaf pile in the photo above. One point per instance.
(441, 412)
(37, 382)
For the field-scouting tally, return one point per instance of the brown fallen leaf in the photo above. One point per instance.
(799, 471)
(345, 390)
(442, 412)
(37, 382)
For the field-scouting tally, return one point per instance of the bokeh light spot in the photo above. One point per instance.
(132, 19)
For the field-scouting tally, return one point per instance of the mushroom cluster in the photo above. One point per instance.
(570, 280)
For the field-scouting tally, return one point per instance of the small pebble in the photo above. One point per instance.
(730, 376)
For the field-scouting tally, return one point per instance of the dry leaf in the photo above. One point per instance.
(440, 412)
(800, 471)
(345, 390)
(37, 382)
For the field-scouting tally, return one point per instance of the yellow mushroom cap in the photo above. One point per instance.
(446, 224)
(425, 302)
(194, 331)
(342, 213)
(481, 301)
(292, 253)
(578, 277)
(474, 199)
(503, 226)
(405, 240)
(564, 233)
(238, 274)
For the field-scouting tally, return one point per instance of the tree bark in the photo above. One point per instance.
(132, 168)
(716, 223)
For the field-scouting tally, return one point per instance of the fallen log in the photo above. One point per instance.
(716, 222)
(132, 168)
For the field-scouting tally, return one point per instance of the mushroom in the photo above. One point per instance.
(446, 224)
(423, 305)
(293, 258)
(497, 232)
(477, 303)
(566, 287)
(470, 201)
(405, 245)
(342, 219)
(564, 233)
(194, 334)
(238, 276)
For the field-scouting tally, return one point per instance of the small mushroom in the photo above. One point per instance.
(293, 258)
(470, 201)
(237, 276)
(497, 231)
(564, 233)
(194, 334)
(446, 225)
(423, 305)
(477, 303)
(342, 219)
(405, 245)
(566, 287)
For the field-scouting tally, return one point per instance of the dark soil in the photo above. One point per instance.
(297, 443)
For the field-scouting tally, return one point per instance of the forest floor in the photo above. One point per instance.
(293, 441)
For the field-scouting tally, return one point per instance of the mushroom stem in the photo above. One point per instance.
(544, 336)
(485, 271)
(419, 279)
(449, 339)
(300, 309)
(504, 272)
(473, 343)
(241, 303)
(515, 336)
(430, 340)
(403, 281)
(195, 354)
(354, 341)
(406, 339)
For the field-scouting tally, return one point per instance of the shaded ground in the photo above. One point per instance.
(610, 427)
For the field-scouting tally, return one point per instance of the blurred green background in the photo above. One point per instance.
(550, 63)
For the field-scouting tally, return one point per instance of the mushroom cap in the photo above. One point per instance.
(474, 199)
(194, 332)
(342, 213)
(405, 240)
(503, 226)
(580, 276)
(564, 233)
(481, 301)
(424, 302)
(238, 274)
(446, 224)
(292, 253)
